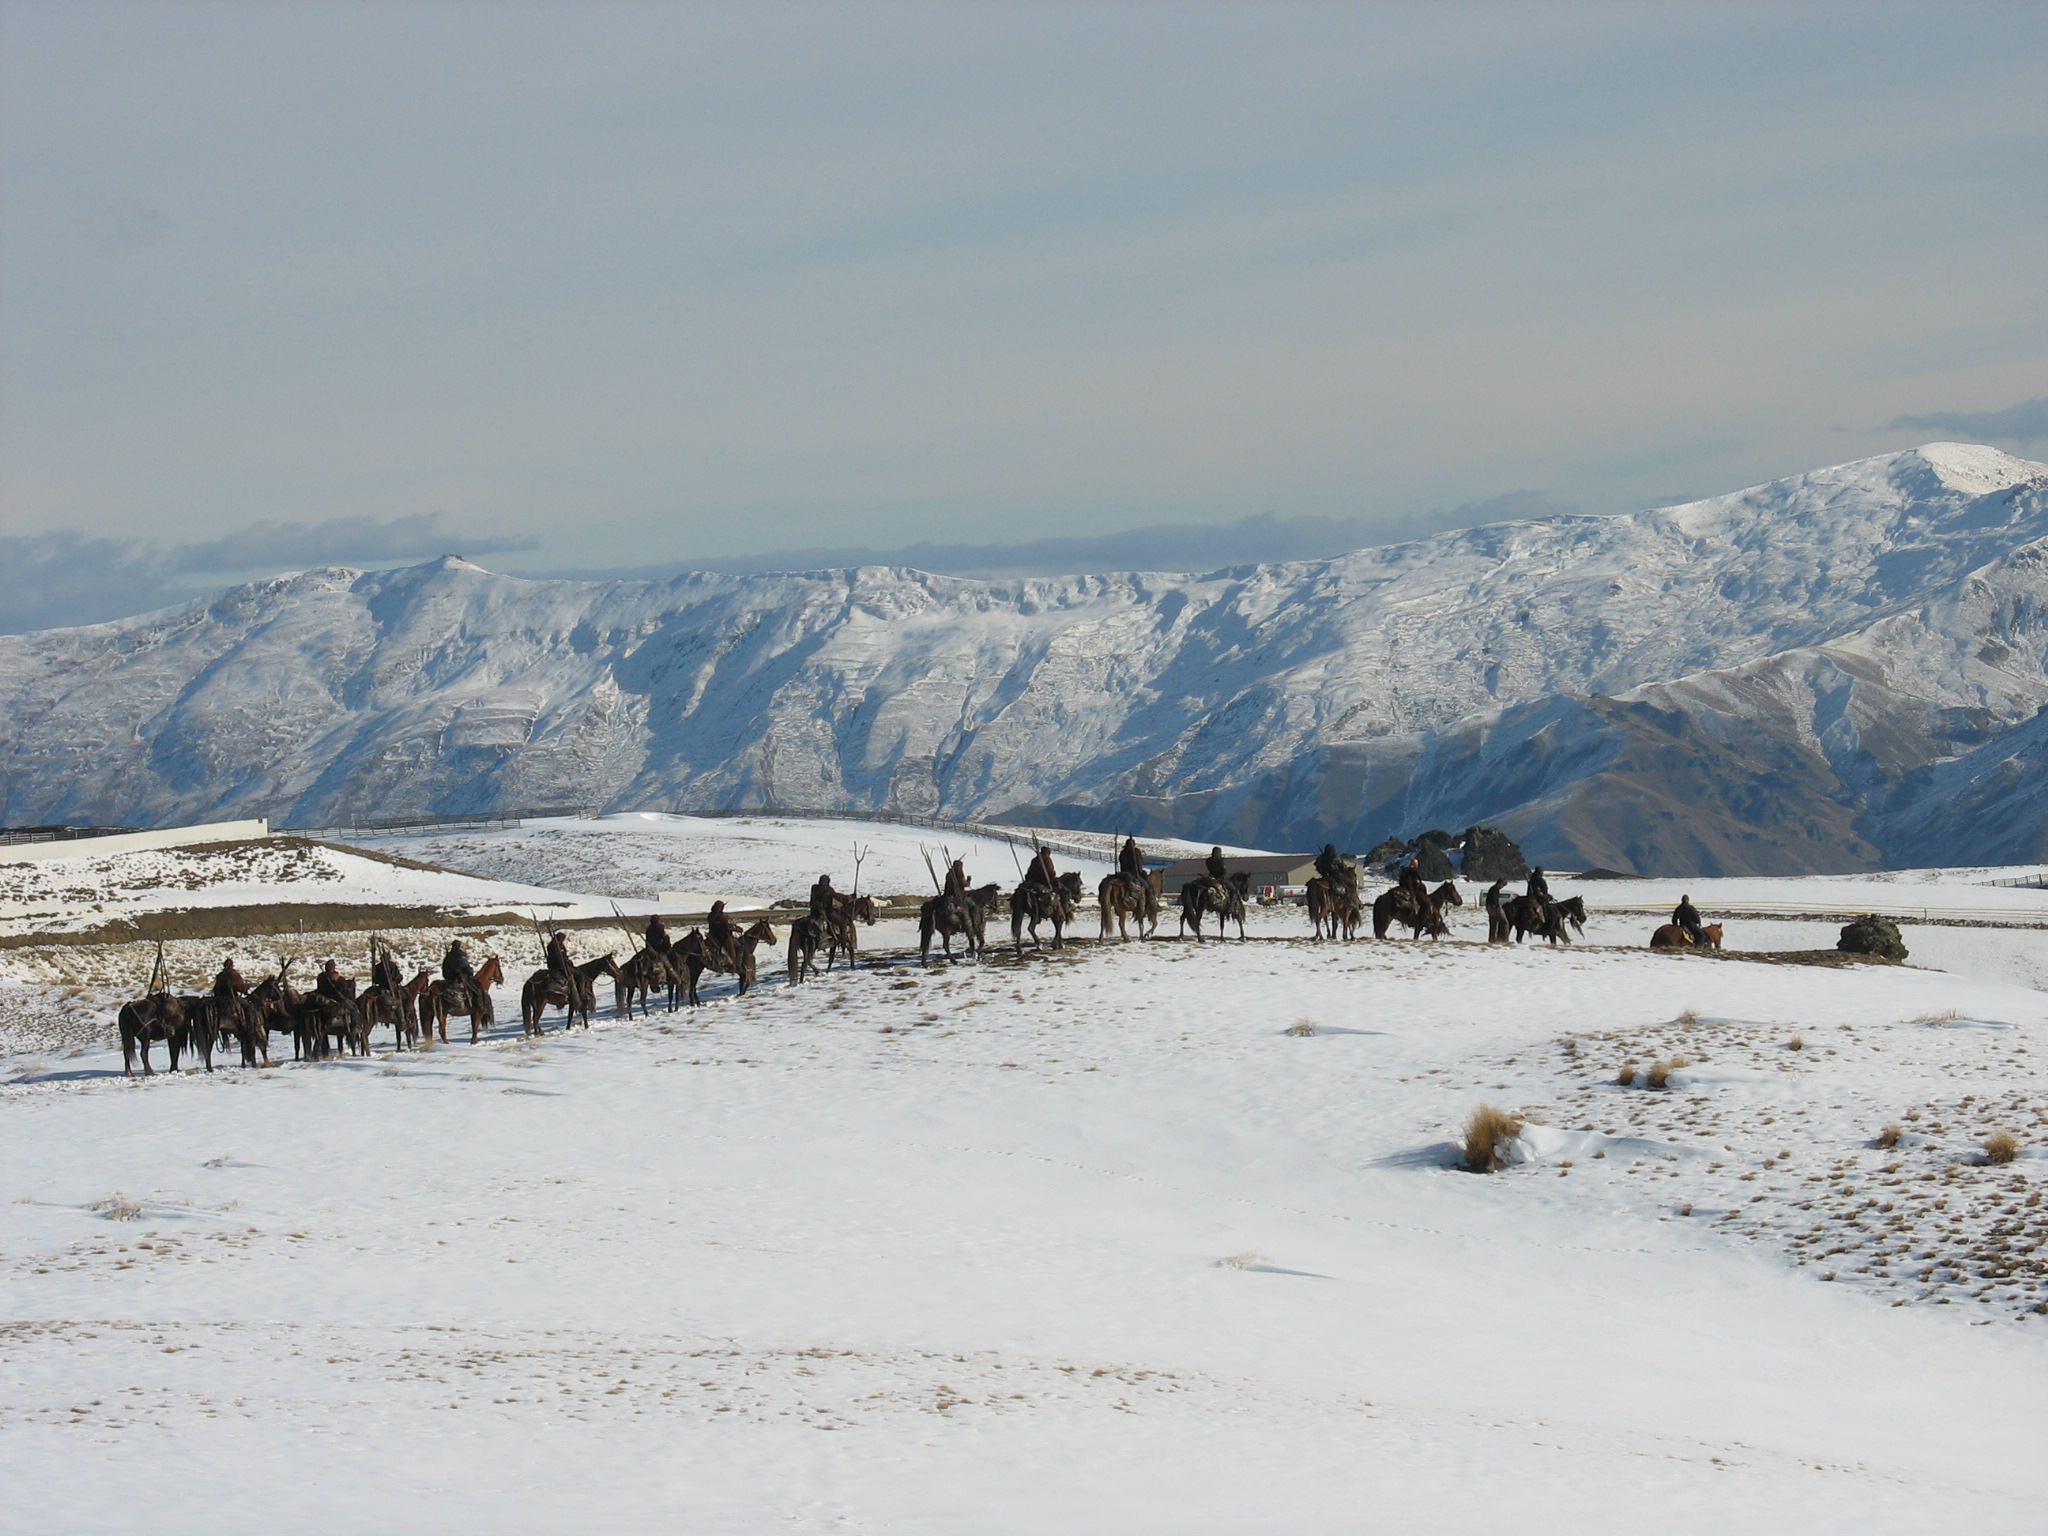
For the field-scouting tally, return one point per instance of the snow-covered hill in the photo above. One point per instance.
(1732, 685)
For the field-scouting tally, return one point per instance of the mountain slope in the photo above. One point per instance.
(1706, 663)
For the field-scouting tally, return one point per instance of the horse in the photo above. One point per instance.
(575, 994)
(807, 935)
(1418, 916)
(1206, 895)
(472, 999)
(840, 933)
(1534, 914)
(1033, 903)
(154, 1016)
(647, 970)
(1335, 903)
(1124, 897)
(1671, 936)
(1446, 895)
(396, 1002)
(687, 961)
(1573, 910)
(964, 913)
(745, 945)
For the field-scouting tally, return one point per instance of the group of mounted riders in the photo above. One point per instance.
(334, 1017)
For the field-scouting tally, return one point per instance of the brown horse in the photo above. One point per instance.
(640, 977)
(1671, 936)
(156, 1016)
(1125, 897)
(1335, 903)
(745, 945)
(807, 935)
(575, 994)
(470, 1000)
(842, 935)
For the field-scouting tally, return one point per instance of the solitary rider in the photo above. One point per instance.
(1539, 888)
(822, 896)
(1218, 870)
(1130, 861)
(1687, 916)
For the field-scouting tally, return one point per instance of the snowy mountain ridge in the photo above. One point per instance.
(1753, 677)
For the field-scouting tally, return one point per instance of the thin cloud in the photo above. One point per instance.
(2026, 422)
(338, 541)
(1261, 540)
(65, 578)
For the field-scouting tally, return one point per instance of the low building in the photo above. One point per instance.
(1275, 876)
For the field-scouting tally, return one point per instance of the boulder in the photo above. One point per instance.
(1490, 854)
(1872, 936)
(1432, 862)
(1387, 857)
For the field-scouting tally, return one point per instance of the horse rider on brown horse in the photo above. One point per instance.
(1129, 860)
(823, 897)
(330, 983)
(657, 935)
(1539, 888)
(229, 983)
(1687, 916)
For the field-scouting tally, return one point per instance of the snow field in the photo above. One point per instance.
(1092, 1243)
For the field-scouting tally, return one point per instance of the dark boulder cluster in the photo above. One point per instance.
(1489, 854)
(1872, 936)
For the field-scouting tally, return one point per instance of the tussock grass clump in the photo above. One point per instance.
(1626, 1077)
(1689, 1017)
(1243, 1260)
(1888, 1138)
(1946, 1016)
(117, 1207)
(1659, 1074)
(1796, 1043)
(2001, 1147)
(1488, 1134)
(1302, 1028)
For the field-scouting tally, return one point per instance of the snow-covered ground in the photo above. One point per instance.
(1150, 1238)
(640, 854)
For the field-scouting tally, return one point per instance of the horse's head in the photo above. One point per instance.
(864, 909)
(1241, 882)
(1070, 882)
(490, 973)
(763, 932)
(1446, 895)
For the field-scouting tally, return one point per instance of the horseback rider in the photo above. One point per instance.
(1040, 871)
(822, 897)
(456, 971)
(1687, 916)
(558, 955)
(1412, 882)
(956, 878)
(1129, 860)
(719, 934)
(1539, 888)
(228, 983)
(657, 935)
(331, 983)
(1218, 870)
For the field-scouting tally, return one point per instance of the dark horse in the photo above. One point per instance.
(156, 1016)
(1032, 903)
(1205, 895)
(1419, 915)
(1542, 917)
(470, 999)
(965, 913)
(1334, 903)
(575, 995)
(842, 935)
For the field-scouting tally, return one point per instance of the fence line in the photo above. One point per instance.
(14, 837)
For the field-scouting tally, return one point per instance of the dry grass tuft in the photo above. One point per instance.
(116, 1207)
(1946, 1016)
(1488, 1134)
(2001, 1147)
(1626, 1077)
(1796, 1043)
(1659, 1075)
(1690, 1016)
(1888, 1137)
(1243, 1260)
(1302, 1028)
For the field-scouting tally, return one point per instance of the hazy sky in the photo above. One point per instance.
(646, 282)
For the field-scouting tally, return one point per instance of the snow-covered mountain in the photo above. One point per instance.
(1754, 682)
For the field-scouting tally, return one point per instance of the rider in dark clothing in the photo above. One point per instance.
(822, 896)
(331, 984)
(456, 970)
(956, 878)
(1040, 871)
(1496, 916)
(1129, 860)
(1411, 879)
(719, 931)
(229, 982)
(1539, 888)
(1329, 864)
(1687, 916)
(1218, 870)
(657, 935)
(558, 955)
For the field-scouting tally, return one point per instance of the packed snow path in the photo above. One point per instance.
(1092, 1243)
